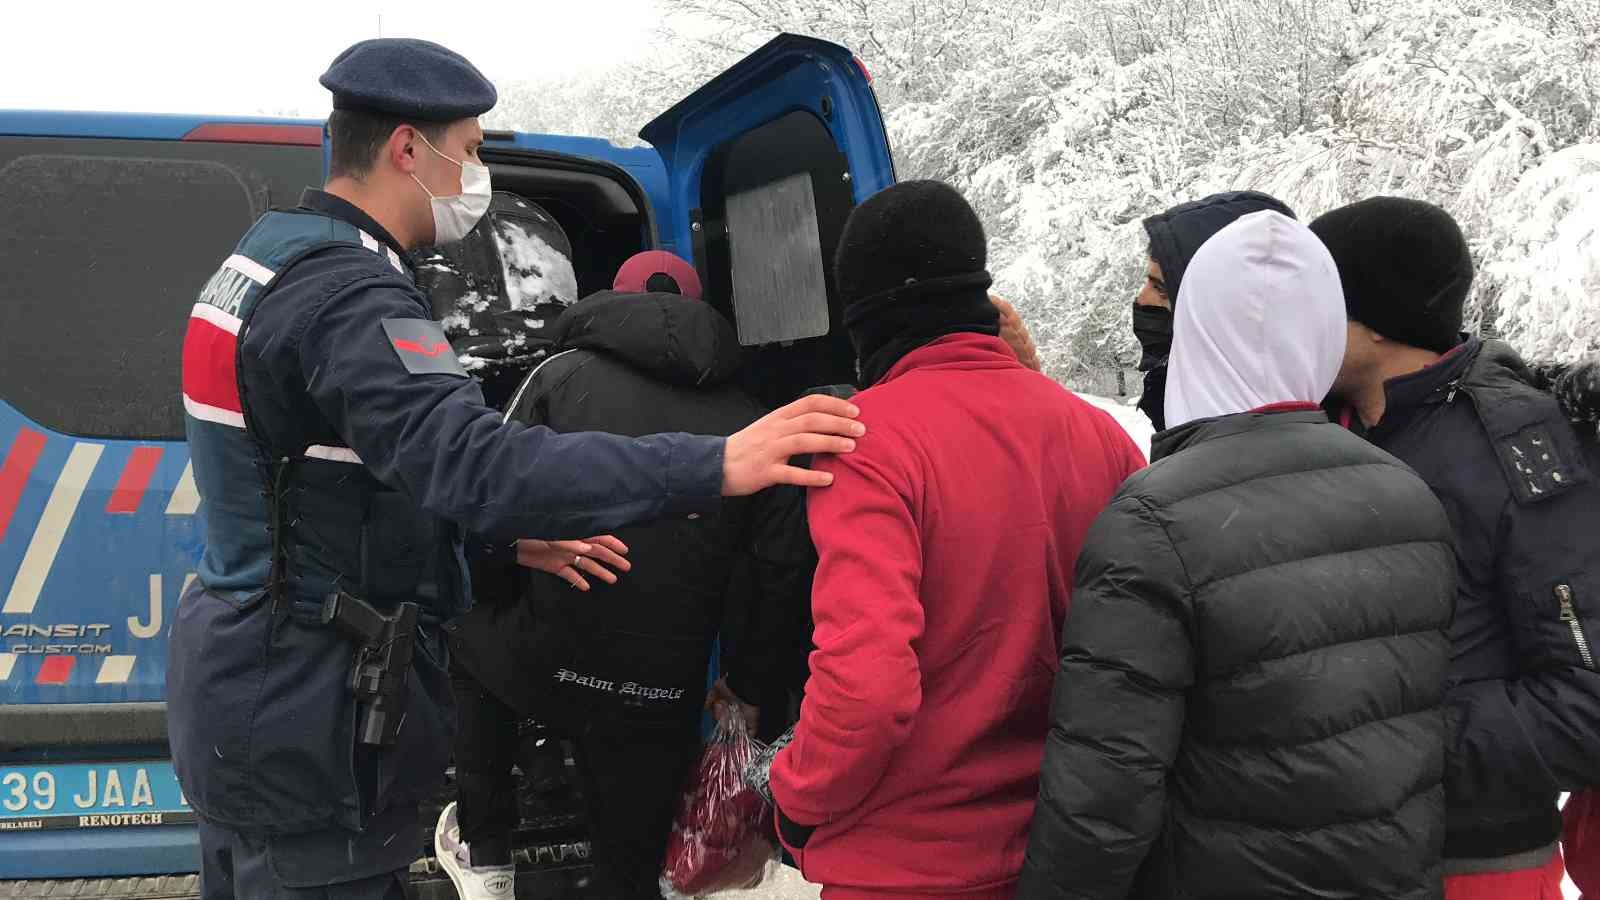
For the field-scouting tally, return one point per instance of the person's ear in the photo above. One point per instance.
(401, 148)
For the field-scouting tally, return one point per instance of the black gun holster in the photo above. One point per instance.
(384, 646)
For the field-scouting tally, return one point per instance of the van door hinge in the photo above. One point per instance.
(1569, 616)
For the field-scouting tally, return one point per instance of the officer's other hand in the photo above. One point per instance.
(569, 560)
(722, 702)
(758, 457)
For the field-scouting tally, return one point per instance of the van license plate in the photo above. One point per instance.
(91, 795)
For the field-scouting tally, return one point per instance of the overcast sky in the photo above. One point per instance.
(222, 57)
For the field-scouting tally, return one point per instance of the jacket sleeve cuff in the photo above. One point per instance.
(694, 476)
(493, 552)
(793, 835)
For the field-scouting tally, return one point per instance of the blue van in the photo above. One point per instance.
(110, 224)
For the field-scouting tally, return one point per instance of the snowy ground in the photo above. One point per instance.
(1131, 419)
(785, 884)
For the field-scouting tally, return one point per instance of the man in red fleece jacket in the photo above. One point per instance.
(946, 549)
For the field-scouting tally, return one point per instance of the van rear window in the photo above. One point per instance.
(780, 292)
(107, 243)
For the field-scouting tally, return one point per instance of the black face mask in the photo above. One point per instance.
(1154, 401)
(1152, 325)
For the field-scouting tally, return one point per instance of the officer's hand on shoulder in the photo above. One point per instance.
(758, 457)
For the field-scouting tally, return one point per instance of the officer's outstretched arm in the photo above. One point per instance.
(385, 377)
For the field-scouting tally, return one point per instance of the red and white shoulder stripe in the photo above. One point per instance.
(210, 346)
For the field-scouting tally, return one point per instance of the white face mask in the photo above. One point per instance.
(454, 216)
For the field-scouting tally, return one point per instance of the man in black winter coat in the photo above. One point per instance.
(1175, 236)
(1525, 508)
(621, 669)
(1252, 668)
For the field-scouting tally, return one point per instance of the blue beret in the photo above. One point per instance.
(410, 79)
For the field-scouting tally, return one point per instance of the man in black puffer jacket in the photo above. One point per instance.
(1252, 668)
(1524, 503)
(622, 669)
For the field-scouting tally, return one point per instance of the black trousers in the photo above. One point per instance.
(240, 866)
(631, 779)
(485, 751)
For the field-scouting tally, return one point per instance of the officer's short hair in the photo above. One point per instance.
(357, 137)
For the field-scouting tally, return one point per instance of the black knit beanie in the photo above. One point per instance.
(1405, 266)
(910, 269)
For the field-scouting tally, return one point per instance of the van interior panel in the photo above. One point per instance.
(797, 143)
(775, 252)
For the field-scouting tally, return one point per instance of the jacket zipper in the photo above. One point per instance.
(1569, 616)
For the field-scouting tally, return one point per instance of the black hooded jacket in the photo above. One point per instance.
(636, 653)
(1175, 237)
(1524, 500)
(1252, 671)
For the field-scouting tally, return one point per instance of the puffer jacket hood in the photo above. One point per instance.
(677, 339)
(1260, 322)
(1177, 234)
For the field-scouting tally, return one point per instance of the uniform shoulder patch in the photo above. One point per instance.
(1534, 465)
(422, 347)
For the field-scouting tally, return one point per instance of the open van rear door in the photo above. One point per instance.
(763, 165)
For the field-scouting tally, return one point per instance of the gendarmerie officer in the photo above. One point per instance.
(340, 452)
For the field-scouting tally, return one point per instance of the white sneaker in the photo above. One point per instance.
(455, 857)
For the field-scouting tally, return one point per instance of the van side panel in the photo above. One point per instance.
(111, 224)
(99, 538)
(127, 126)
(115, 238)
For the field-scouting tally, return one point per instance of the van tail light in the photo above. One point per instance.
(863, 67)
(245, 133)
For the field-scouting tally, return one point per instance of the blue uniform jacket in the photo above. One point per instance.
(1525, 506)
(319, 368)
(332, 364)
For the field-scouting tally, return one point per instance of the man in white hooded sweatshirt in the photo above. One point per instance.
(1248, 704)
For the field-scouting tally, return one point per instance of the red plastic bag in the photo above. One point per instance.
(722, 835)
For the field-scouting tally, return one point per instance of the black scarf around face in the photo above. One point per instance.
(1153, 403)
(886, 326)
(1152, 325)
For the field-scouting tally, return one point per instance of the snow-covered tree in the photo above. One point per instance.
(1068, 121)
(1542, 265)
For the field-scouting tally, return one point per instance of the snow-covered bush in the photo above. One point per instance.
(1542, 266)
(1068, 121)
